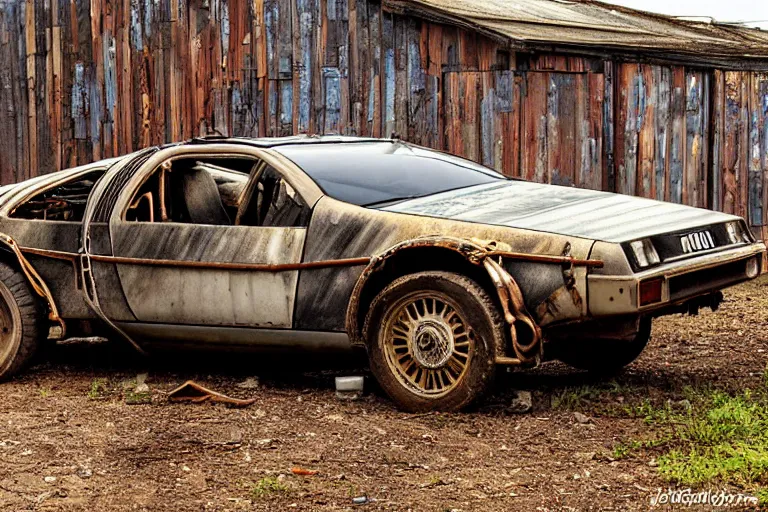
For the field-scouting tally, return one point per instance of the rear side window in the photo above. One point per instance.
(272, 202)
(64, 202)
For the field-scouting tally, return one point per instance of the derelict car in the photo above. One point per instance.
(442, 269)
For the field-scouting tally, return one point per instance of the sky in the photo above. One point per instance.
(754, 11)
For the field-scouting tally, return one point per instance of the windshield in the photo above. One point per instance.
(381, 173)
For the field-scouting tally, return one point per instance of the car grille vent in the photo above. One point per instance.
(108, 200)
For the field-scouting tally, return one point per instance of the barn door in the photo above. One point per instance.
(562, 128)
(540, 125)
(481, 117)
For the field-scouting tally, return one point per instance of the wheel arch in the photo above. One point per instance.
(424, 254)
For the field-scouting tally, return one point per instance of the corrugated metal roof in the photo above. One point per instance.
(589, 23)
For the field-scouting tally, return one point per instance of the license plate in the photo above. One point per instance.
(695, 242)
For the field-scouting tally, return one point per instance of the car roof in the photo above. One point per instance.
(295, 140)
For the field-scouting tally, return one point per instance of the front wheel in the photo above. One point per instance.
(605, 356)
(20, 322)
(431, 339)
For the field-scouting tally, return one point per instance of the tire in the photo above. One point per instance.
(20, 322)
(431, 341)
(605, 357)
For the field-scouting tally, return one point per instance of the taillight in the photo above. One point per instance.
(650, 291)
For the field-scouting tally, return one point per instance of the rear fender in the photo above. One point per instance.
(35, 281)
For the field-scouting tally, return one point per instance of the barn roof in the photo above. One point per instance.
(537, 23)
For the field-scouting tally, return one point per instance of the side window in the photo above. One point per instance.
(64, 202)
(270, 201)
(194, 191)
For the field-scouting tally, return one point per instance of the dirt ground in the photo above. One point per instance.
(70, 439)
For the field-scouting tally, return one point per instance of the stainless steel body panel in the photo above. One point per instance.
(209, 296)
(562, 210)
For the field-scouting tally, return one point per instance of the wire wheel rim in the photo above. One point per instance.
(9, 319)
(428, 344)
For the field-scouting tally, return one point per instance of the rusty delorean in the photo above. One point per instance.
(441, 268)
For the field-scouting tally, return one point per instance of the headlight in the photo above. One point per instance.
(737, 234)
(645, 253)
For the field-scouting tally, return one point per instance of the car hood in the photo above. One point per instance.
(562, 210)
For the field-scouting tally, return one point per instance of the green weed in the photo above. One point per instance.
(98, 389)
(268, 486)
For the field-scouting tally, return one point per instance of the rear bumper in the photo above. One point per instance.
(681, 281)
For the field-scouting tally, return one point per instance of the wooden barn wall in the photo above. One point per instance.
(662, 133)
(740, 158)
(82, 80)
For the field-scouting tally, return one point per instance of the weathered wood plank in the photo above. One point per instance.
(534, 154)
(389, 78)
(718, 137)
(678, 147)
(609, 131)
(591, 172)
(630, 86)
(695, 169)
(375, 86)
(662, 78)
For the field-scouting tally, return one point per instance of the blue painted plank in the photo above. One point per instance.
(79, 102)
(286, 107)
(488, 130)
(332, 86)
(306, 21)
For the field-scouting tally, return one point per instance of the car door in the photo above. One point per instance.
(184, 256)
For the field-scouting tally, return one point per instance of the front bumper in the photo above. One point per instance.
(681, 281)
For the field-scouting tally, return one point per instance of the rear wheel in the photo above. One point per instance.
(20, 321)
(605, 356)
(431, 339)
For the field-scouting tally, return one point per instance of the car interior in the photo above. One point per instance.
(220, 192)
(65, 202)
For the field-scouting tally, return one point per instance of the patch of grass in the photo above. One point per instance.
(624, 450)
(45, 392)
(268, 486)
(650, 412)
(98, 389)
(134, 398)
(573, 399)
(594, 398)
(719, 439)
(765, 377)
(726, 441)
(762, 496)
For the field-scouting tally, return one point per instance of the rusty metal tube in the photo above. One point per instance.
(545, 258)
(37, 282)
(527, 348)
(214, 265)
